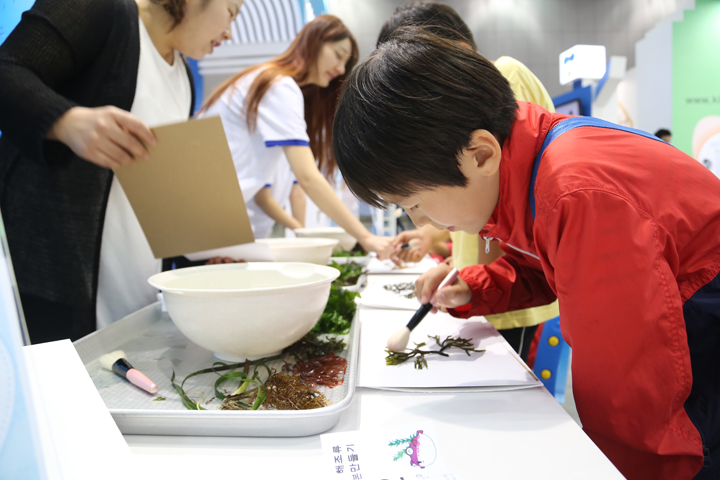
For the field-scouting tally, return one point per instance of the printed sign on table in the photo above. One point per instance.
(403, 452)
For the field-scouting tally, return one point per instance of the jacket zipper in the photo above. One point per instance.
(487, 247)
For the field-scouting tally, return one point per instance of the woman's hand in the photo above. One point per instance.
(419, 241)
(221, 260)
(272, 209)
(451, 296)
(106, 136)
(383, 246)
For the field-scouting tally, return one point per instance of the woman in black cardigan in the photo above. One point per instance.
(68, 75)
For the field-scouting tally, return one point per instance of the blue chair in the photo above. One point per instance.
(552, 358)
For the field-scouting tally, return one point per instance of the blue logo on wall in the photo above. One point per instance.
(569, 59)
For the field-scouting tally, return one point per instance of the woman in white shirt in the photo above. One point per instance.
(271, 204)
(283, 109)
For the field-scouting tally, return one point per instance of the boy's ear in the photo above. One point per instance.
(483, 154)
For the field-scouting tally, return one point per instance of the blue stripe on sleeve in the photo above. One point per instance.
(285, 143)
(267, 185)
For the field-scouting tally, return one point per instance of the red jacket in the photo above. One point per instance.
(626, 230)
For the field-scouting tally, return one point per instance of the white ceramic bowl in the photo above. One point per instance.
(309, 250)
(246, 310)
(347, 241)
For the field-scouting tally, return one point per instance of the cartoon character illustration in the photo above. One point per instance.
(418, 457)
(706, 143)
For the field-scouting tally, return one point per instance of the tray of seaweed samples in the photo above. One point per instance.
(272, 403)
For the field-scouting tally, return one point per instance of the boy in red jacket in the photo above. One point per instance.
(623, 228)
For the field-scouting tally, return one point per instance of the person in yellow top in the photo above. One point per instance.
(518, 327)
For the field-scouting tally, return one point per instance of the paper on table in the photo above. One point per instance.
(76, 429)
(376, 266)
(375, 295)
(496, 367)
(186, 196)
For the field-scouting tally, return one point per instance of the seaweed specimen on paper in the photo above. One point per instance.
(396, 358)
(406, 290)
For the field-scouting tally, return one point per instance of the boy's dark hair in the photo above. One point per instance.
(663, 132)
(430, 15)
(408, 111)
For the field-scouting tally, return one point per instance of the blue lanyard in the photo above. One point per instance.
(565, 126)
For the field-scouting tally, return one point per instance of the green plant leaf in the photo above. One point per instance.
(338, 314)
(189, 404)
(349, 273)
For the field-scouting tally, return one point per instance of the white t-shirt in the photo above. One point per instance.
(162, 96)
(280, 188)
(280, 122)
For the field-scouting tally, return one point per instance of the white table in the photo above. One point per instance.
(518, 434)
(523, 434)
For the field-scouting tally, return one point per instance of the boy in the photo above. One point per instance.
(519, 326)
(622, 228)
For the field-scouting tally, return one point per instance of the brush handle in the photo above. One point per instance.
(123, 368)
(137, 378)
(419, 315)
(449, 279)
(425, 309)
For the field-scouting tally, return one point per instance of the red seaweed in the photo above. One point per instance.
(322, 371)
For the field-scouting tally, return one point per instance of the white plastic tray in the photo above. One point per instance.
(156, 347)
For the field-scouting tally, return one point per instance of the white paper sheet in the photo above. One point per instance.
(375, 295)
(79, 437)
(376, 266)
(498, 366)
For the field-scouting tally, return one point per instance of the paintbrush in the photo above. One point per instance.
(116, 362)
(399, 340)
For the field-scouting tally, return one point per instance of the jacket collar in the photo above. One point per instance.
(512, 214)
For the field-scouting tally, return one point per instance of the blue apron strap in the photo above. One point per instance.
(565, 126)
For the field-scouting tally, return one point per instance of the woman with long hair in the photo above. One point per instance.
(285, 108)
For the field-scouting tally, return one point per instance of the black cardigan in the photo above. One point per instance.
(62, 54)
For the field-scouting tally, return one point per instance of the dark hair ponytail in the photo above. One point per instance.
(176, 9)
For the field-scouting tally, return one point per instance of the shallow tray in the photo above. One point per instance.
(357, 286)
(156, 347)
(364, 260)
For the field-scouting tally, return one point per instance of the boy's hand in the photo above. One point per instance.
(451, 296)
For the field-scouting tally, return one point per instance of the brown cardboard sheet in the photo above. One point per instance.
(186, 195)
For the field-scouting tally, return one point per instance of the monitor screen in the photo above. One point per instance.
(569, 108)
